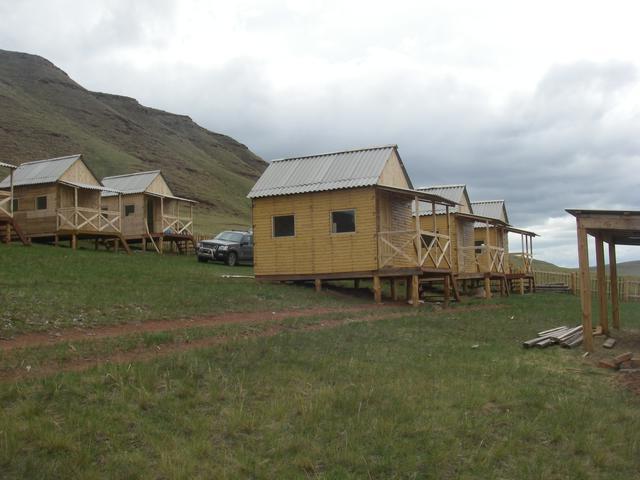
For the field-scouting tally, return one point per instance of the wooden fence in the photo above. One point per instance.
(628, 287)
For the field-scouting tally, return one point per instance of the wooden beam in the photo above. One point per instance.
(394, 289)
(318, 284)
(613, 278)
(446, 291)
(377, 289)
(487, 286)
(415, 290)
(602, 285)
(585, 287)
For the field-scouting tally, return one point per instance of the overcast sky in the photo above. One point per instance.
(537, 103)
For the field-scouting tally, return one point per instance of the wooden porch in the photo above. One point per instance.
(9, 228)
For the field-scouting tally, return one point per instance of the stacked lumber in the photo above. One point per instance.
(553, 288)
(566, 337)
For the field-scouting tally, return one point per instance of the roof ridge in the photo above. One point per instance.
(51, 159)
(353, 150)
(132, 174)
(488, 201)
(455, 185)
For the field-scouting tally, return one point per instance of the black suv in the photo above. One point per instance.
(230, 247)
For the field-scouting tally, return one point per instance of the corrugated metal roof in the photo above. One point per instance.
(455, 193)
(327, 171)
(8, 165)
(89, 186)
(130, 183)
(40, 171)
(492, 209)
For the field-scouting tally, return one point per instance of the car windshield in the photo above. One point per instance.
(229, 236)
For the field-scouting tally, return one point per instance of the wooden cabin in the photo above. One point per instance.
(8, 226)
(60, 198)
(151, 214)
(492, 238)
(345, 215)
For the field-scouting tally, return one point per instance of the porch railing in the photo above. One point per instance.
(409, 248)
(91, 219)
(487, 259)
(179, 225)
(523, 263)
(5, 204)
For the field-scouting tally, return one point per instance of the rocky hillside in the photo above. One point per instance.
(46, 114)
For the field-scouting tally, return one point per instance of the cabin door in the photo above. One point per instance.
(150, 215)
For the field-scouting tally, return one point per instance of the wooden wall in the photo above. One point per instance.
(392, 174)
(132, 224)
(159, 186)
(314, 249)
(79, 173)
(32, 221)
(395, 214)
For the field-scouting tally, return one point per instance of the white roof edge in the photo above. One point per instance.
(132, 174)
(489, 201)
(456, 185)
(352, 150)
(65, 157)
(8, 165)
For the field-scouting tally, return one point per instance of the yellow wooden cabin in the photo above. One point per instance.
(9, 228)
(492, 239)
(344, 215)
(151, 214)
(60, 198)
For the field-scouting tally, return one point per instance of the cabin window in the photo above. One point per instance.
(129, 210)
(284, 226)
(479, 244)
(343, 221)
(41, 203)
(15, 205)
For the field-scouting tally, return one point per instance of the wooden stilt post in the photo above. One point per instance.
(56, 241)
(144, 244)
(585, 287)
(74, 241)
(116, 245)
(487, 285)
(602, 285)
(613, 278)
(318, 284)
(407, 285)
(446, 291)
(415, 290)
(394, 290)
(356, 283)
(377, 289)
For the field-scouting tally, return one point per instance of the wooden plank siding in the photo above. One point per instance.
(314, 249)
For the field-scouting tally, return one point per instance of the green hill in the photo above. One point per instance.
(46, 114)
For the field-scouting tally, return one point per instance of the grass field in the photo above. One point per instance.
(393, 393)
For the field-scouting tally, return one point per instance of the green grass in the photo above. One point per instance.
(407, 398)
(44, 288)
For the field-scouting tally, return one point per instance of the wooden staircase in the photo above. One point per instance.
(11, 231)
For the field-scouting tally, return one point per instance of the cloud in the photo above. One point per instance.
(545, 122)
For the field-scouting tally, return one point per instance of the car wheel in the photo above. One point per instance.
(203, 259)
(232, 259)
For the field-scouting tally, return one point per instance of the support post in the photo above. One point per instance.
(74, 241)
(318, 284)
(487, 285)
(585, 287)
(415, 290)
(407, 285)
(356, 283)
(418, 236)
(446, 291)
(394, 290)
(377, 289)
(601, 286)
(613, 278)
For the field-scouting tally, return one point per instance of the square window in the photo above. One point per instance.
(284, 226)
(479, 244)
(343, 221)
(41, 203)
(129, 210)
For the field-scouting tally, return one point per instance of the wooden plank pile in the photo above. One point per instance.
(566, 337)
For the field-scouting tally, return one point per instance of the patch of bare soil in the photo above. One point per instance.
(147, 353)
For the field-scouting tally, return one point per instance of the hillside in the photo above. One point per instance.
(46, 114)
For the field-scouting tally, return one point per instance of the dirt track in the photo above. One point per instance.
(368, 313)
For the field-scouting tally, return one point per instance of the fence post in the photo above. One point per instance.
(625, 289)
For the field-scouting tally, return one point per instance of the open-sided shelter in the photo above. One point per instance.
(150, 211)
(614, 227)
(59, 198)
(8, 225)
(344, 215)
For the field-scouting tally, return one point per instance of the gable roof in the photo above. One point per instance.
(8, 165)
(326, 171)
(41, 171)
(131, 182)
(455, 193)
(492, 209)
